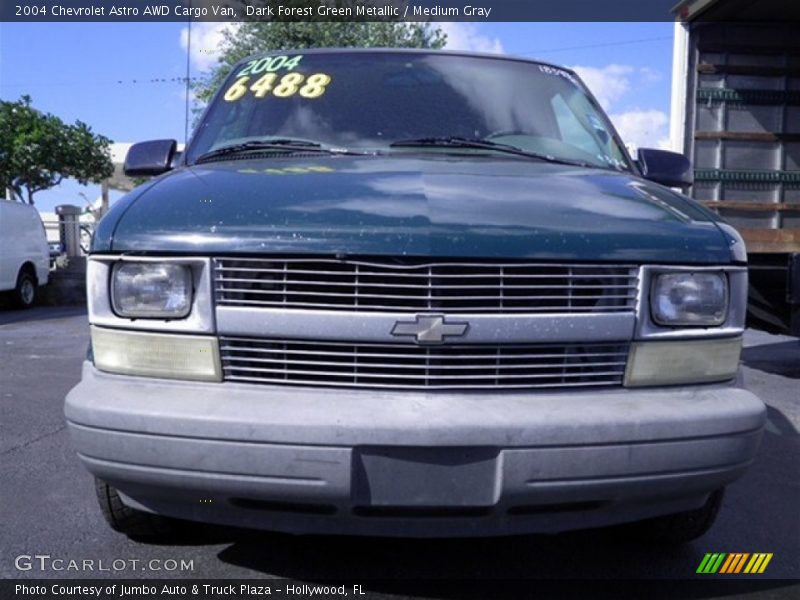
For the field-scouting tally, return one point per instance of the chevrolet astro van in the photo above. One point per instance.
(412, 293)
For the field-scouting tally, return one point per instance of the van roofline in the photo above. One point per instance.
(355, 50)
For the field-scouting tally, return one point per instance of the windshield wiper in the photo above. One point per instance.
(278, 144)
(462, 142)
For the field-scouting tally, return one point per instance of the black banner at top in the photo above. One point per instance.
(378, 10)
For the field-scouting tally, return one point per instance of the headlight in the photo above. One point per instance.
(151, 290)
(697, 299)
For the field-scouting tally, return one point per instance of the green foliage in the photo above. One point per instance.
(38, 150)
(254, 37)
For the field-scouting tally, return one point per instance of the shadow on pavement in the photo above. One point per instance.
(782, 358)
(9, 315)
(778, 424)
(588, 564)
(588, 553)
(472, 568)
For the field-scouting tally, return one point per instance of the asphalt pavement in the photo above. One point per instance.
(47, 506)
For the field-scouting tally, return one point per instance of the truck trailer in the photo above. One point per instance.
(736, 115)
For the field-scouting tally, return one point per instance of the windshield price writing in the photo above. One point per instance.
(290, 84)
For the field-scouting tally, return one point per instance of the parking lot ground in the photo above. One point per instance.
(48, 505)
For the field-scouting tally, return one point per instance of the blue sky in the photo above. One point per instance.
(121, 78)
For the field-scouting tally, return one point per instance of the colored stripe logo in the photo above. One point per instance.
(734, 563)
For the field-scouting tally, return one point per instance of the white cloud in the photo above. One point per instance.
(649, 75)
(608, 84)
(643, 128)
(181, 93)
(207, 38)
(206, 41)
(638, 127)
(465, 36)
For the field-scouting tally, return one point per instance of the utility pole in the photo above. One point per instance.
(188, 74)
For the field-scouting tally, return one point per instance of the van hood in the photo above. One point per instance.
(412, 205)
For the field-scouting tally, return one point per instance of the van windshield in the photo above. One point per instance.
(368, 101)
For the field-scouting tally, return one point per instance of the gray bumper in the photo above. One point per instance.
(387, 463)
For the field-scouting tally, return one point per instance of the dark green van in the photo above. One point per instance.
(412, 293)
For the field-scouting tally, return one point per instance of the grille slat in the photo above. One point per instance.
(438, 286)
(490, 356)
(500, 297)
(406, 285)
(467, 367)
(392, 366)
(316, 383)
(458, 376)
(420, 275)
(451, 309)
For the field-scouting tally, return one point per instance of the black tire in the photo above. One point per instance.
(26, 291)
(681, 528)
(127, 520)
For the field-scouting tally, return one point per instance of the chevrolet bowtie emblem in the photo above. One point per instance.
(429, 329)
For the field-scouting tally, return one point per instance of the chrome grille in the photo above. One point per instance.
(416, 286)
(408, 366)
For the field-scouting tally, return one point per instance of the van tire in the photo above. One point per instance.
(680, 528)
(127, 520)
(26, 291)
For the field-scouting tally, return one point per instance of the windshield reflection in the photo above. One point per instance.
(367, 100)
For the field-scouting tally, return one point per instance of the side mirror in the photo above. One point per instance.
(150, 158)
(667, 168)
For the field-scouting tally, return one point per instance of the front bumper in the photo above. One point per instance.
(307, 460)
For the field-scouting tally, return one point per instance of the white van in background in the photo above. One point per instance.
(24, 254)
